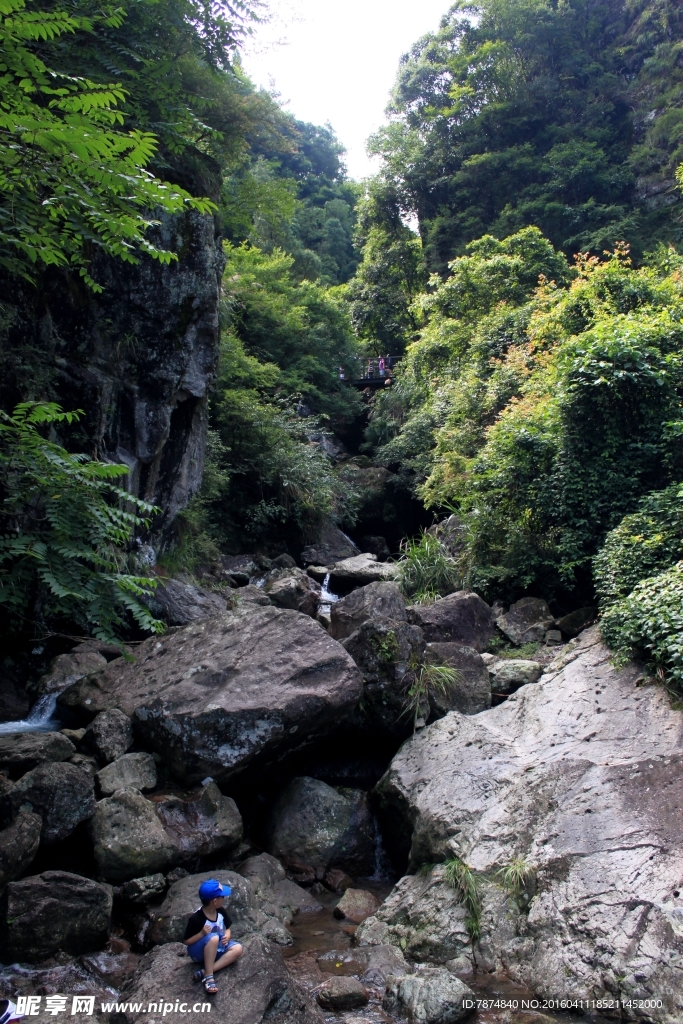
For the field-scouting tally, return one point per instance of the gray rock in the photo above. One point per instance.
(182, 900)
(128, 839)
(284, 561)
(526, 621)
(136, 770)
(179, 602)
(263, 871)
(201, 824)
(343, 993)
(22, 751)
(461, 618)
(314, 824)
(388, 655)
(381, 961)
(252, 595)
(142, 890)
(293, 588)
(579, 776)
(275, 893)
(292, 899)
(376, 601)
(575, 622)
(55, 911)
(376, 546)
(508, 674)
(356, 905)
(62, 794)
(18, 845)
(360, 570)
(87, 764)
(225, 694)
(332, 546)
(255, 990)
(434, 996)
(470, 692)
(111, 733)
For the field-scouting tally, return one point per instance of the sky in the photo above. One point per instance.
(336, 61)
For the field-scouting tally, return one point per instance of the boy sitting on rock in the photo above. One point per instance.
(207, 935)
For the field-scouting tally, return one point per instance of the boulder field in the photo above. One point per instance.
(565, 805)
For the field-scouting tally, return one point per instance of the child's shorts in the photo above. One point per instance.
(196, 950)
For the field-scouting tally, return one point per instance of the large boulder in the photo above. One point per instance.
(314, 824)
(110, 734)
(131, 770)
(332, 546)
(229, 693)
(255, 990)
(18, 845)
(375, 601)
(526, 621)
(577, 783)
(359, 571)
(201, 823)
(293, 588)
(22, 751)
(67, 668)
(182, 900)
(54, 912)
(128, 838)
(179, 602)
(389, 655)
(470, 691)
(432, 996)
(461, 618)
(276, 894)
(62, 794)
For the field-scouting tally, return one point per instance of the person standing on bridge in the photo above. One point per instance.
(381, 366)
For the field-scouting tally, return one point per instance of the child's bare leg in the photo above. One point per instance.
(210, 954)
(234, 953)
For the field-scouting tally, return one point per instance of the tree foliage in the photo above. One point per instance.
(66, 530)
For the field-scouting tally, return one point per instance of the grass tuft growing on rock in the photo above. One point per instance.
(426, 570)
(516, 876)
(462, 878)
(437, 677)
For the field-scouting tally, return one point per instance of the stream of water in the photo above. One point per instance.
(41, 718)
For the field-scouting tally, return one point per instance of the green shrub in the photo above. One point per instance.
(643, 544)
(426, 570)
(649, 624)
(66, 528)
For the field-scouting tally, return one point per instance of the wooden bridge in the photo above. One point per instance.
(374, 374)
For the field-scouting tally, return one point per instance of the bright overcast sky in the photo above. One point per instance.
(337, 62)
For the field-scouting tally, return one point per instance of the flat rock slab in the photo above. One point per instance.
(256, 988)
(220, 696)
(581, 775)
(360, 570)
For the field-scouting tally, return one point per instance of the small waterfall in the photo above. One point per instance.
(41, 717)
(327, 598)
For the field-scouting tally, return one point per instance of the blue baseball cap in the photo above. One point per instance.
(210, 889)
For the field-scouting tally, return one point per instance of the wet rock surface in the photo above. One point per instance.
(579, 778)
(54, 911)
(60, 793)
(221, 695)
(461, 618)
(22, 751)
(375, 601)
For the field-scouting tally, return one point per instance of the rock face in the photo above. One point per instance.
(508, 674)
(109, 735)
(316, 825)
(360, 570)
(18, 845)
(257, 988)
(461, 618)
(128, 838)
(22, 751)
(228, 693)
(581, 775)
(62, 794)
(434, 996)
(342, 994)
(527, 621)
(55, 911)
(178, 602)
(470, 692)
(386, 653)
(131, 770)
(204, 824)
(333, 546)
(292, 588)
(376, 601)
